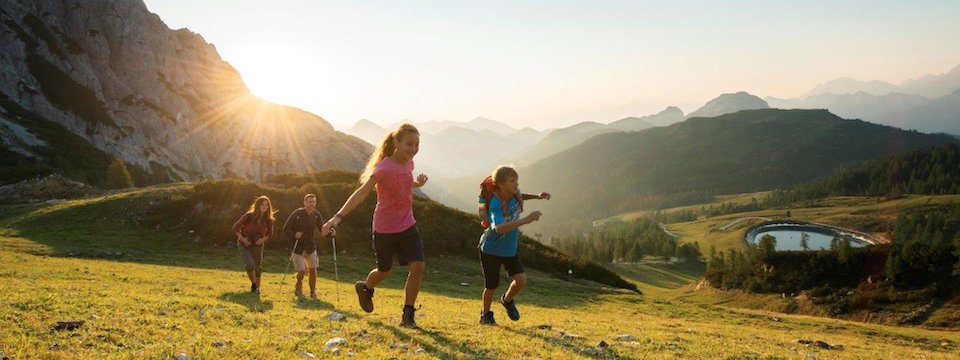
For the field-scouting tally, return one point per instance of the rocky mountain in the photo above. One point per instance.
(730, 103)
(115, 77)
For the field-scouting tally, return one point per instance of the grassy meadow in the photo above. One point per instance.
(153, 292)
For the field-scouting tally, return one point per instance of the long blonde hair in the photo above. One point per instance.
(386, 148)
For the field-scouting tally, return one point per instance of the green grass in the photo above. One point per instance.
(718, 200)
(153, 293)
(865, 214)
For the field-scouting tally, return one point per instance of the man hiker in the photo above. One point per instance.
(301, 226)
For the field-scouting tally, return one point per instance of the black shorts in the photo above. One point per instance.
(406, 245)
(491, 268)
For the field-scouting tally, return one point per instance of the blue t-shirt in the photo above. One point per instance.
(492, 243)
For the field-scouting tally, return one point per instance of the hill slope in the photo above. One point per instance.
(690, 161)
(141, 295)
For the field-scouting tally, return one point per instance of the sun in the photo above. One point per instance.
(274, 71)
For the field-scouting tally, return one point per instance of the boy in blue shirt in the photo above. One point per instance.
(498, 244)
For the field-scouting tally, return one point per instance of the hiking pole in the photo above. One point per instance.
(288, 263)
(336, 270)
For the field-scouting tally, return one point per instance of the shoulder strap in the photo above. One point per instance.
(519, 196)
(487, 189)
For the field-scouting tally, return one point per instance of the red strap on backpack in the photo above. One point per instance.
(488, 189)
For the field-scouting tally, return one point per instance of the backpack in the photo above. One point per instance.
(487, 191)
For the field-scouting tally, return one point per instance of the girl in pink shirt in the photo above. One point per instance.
(395, 233)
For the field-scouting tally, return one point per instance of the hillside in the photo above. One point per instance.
(688, 162)
(146, 294)
(927, 171)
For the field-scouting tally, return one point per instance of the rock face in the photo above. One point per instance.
(117, 76)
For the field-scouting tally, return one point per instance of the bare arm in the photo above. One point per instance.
(510, 226)
(528, 196)
(352, 202)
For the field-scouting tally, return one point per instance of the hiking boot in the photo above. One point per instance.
(364, 295)
(487, 318)
(298, 291)
(313, 295)
(254, 289)
(407, 320)
(511, 307)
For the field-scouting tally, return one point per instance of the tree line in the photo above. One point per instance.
(630, 241)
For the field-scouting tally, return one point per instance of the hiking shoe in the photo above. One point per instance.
(313, 295)
(364, 295)
(254, 289)
(511, 307)
(407, 320)
(487, 318)
(298, 291)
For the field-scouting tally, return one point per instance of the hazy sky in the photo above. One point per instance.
(553, 63)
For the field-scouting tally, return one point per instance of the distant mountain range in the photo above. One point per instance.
(460, 149)
(930, 103)
(930, 86)
(690, 161)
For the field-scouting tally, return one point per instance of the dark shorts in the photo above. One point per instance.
(405, 245)
(491, 268)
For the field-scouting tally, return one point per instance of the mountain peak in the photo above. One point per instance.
(481, 123)
(847, 85)
(730, 103)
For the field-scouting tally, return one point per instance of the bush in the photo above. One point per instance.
(117, 175)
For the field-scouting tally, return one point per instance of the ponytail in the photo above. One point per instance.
(386, 148)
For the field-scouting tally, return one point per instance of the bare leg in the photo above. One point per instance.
(313, 280)
(488, 299)
(375, 277)
(252, 274)
(299, 286)
(519, 281)
(412, 287)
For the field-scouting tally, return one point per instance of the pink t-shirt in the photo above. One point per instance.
(394, 211)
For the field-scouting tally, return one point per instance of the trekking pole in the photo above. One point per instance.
(288, 263)
(336, 270)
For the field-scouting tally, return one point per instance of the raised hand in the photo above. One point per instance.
(545, 195)
(534, 216)
(421, 180)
